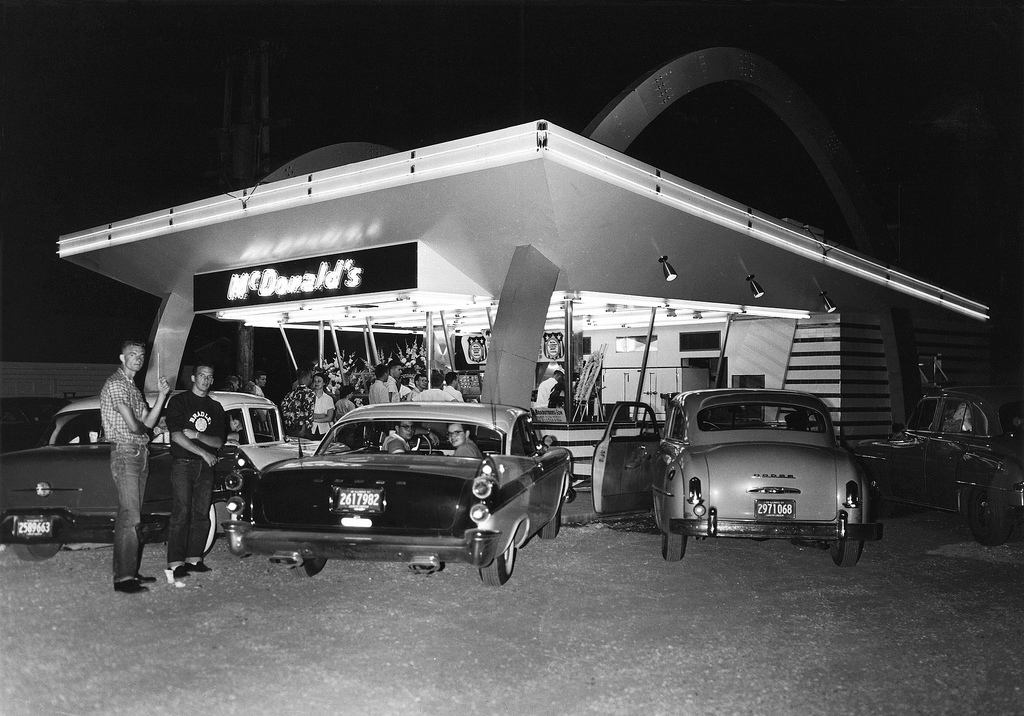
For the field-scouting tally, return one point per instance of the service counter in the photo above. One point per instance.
(579, 438)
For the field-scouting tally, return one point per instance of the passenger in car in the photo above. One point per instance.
(462, 442)
(398, 440)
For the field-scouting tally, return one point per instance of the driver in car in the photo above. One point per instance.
(398, 440)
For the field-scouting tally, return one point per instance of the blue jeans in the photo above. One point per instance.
(129, 466)
(191, 492)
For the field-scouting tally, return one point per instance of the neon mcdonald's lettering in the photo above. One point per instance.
(268, 282)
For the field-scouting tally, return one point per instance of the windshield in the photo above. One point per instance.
(757, 415)
(403, 435)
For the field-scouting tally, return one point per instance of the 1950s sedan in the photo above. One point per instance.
(758, 464)
(62, 493)
(961, 451)
(421, 504)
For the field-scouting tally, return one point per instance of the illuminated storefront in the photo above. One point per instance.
(510, 235)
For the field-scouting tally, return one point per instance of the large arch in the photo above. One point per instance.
(622, 120)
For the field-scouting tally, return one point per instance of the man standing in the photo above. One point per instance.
(435, 393)
(545, 388)
(297, 406)
(126, 416)
(379, 387)
(259, 383)
(394, 377)
(451, 380)
(196, 423)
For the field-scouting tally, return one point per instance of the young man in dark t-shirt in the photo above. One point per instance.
(196, 424)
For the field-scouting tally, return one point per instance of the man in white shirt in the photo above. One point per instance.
(394, 376)
(545, 388)
(451, 379)
(434, 394)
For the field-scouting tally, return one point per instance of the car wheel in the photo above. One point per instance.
(673, 546)
(309, 567)
(989, 524)
(500, 570)
(211, 536)
(551, 529)
(36, 552)
(846, 553)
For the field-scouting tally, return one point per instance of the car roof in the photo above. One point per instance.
(721, 395)
(227, 399)
(994, 394)
(500, 416)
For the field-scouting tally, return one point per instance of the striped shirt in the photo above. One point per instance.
(118, 389)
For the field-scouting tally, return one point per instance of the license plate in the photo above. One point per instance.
(364, 500)
(33, 527)
(775, 508)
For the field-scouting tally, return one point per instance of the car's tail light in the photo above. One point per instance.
(234, 481)
(235, 505)
(485, 481)
(479, 512)
(852, 495)
(695, 498)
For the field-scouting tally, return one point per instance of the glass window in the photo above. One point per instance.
(1011, 417)
(957, 417)
(634, 344)
(78, 428)
(635, 422)
(756, 415)
(921, 418)
(234, 427)
(264, 425)
(678, 421)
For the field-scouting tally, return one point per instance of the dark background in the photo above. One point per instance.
(111, 109)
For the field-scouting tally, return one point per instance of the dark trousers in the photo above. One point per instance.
(191, 492)
(129, 466)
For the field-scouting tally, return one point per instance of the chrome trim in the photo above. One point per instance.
(774, 491)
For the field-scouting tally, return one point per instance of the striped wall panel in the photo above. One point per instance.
(841, 359)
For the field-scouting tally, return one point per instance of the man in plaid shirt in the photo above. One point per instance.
(126, 417)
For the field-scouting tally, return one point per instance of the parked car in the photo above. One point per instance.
(23, 420)
(961, 451)
(62, 493)
(425, 507)
(750, 463)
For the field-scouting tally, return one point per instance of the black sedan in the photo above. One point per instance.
(961, 451)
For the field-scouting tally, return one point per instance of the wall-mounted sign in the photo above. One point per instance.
(390, 268)
(552, 347)
(474, 349)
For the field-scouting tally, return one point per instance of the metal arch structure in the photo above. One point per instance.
(622, 120)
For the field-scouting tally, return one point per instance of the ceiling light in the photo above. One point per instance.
(755, 287)
(670, 273)
(829, 306)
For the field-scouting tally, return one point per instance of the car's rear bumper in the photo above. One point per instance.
(477, 548)
(713, 526)
(70, 528)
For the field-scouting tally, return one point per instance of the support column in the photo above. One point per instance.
(515, 341)
(901, 359)
(167, 341)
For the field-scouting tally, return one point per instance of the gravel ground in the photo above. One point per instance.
(594, 622)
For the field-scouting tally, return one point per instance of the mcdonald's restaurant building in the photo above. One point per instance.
(513, 252)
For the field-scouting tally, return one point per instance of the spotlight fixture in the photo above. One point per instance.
(697, 315)
(670, 273)
(829, 306)
(755, 287)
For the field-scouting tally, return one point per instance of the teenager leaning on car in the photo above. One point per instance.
(126, 418)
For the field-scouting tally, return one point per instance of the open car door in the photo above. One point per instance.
(625, 460)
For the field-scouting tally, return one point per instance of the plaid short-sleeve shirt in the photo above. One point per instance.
(119, 388)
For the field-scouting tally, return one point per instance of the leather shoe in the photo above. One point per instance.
(180, 572)
(144, 580)
(129, 586)
(197, 567)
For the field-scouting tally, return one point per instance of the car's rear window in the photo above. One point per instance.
(370, 435)
(757, 415)
(1011, 417)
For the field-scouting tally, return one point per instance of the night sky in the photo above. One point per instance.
(110, 110)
